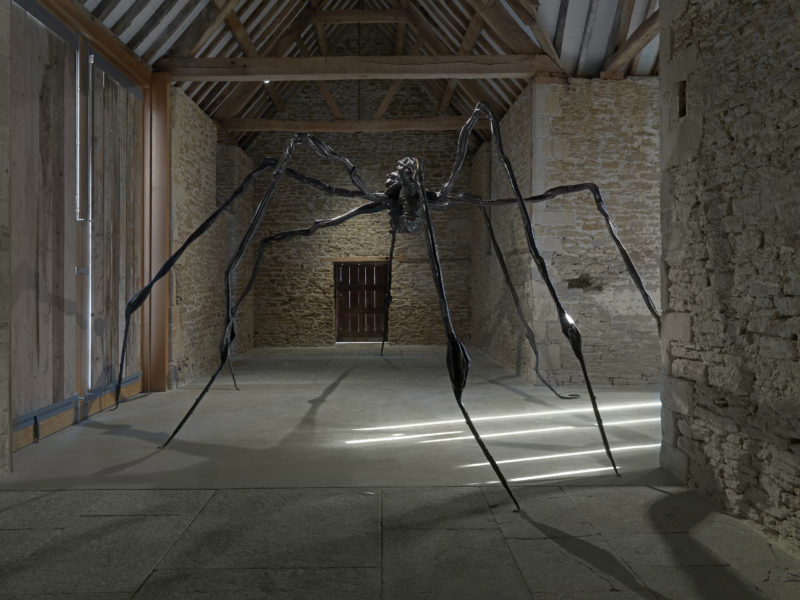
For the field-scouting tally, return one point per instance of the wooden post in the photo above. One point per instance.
(155, 339)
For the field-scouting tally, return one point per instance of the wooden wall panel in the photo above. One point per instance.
(46, 303)
(116, 225)
(42, 168)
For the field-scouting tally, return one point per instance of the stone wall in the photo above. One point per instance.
(598, 131)
(5, 237)
(233, 165)
(197, 299)
(731, 262)
(295, 293)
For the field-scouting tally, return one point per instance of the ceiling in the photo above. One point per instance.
(562, 38)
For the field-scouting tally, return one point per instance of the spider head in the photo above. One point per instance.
(406, 209)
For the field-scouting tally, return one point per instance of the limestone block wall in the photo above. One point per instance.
(197, 300)
(233, 165)
(5, 238)
(731, 262)
(295, 291)
(598, 131)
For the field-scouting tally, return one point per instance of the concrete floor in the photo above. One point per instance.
(337, 473)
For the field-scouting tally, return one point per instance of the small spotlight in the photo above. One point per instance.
(266, 81)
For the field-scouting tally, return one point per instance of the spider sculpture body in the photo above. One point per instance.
(408, 203)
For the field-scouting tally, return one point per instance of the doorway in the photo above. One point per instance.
(360, 288)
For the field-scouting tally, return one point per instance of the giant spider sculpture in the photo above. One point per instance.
(408, 203)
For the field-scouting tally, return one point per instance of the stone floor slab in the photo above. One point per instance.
(679, 549)
(436, 508)
(547, 512)
(172, 503)
(699, 583)
(257, 584)
(310, 528)
(639, 509)
(585, 565)
(449, 565)
(94, 554)
(43, 510)
(79, 596)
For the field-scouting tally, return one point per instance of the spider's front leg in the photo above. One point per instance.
(139, 297)
(568, 327)
(281, 168)
(457, 357)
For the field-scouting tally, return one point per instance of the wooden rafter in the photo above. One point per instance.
(526, 10)
(349, 125)
(387, 99)
(245, 92)
(561, 23)
(353, 16)
(621, 25)
(506, 28)
(152, 22)
(473, 90)
(322, 39)
(332, 68)
(470, 37)
(588, 28)
(617, 62)
(212, 27)
(323, 86)
(400, 34)
(73, 15)
(652, 5)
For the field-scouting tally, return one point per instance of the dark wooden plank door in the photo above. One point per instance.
(360, 290)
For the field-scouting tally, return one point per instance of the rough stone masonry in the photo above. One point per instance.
(598, 131)
(731, 260)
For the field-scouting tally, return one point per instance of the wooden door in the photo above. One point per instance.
(360, 290)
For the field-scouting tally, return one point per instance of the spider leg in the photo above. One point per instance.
(138, 298)
(368, 208)
(568, 327)
(322, 150)
(457, 357)
(528, 330)
(601, 208)
(387, 299)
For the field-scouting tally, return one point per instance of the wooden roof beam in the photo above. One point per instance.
(527, 11)
(243, 94)
(652, 5)
(333, 68)
(470, 37)
(323, 86)
(354, 16)
(400, 36)
(222, 12)
(349, 125)
(72, 14)
(387, 99)
(322, 39)
(504, 25)
(643, 35)
(472, 89)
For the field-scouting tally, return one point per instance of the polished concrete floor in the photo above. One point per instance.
(338, 473)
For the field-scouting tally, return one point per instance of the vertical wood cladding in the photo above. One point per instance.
(5, 237)
(42, 181)
(116, 225)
